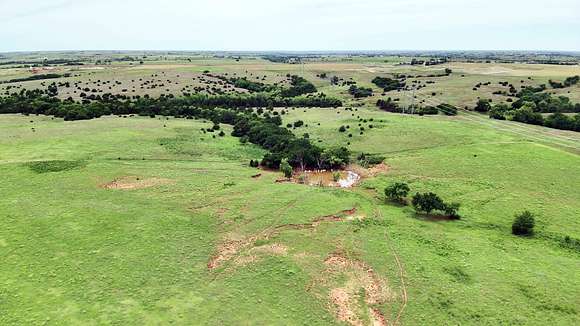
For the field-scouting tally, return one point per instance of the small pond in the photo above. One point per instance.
(342, 179)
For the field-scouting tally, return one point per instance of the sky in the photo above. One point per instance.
(297, 25)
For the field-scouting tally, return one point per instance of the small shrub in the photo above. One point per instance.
(524, 224)
(397, 191)
(286, 168)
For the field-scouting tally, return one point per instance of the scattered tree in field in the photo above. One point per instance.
(483, 106)
(342, 129)
(359, 92)
(524, 224)
(429, 202)
(388, 84)
(286, 168)
(397, 192)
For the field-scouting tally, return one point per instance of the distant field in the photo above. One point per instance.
(139, 220)
(172, 76)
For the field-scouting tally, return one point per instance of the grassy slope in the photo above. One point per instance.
(73, 252)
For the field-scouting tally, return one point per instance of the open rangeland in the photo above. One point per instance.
(151, 220)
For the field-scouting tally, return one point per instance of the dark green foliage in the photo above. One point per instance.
(35, 77)
(451, 210)
(427, 110)
(335, 157)
(388, 84)
(54, 166)
(366, 160)
(359, 92)
(286, 168)
(526, 114)
(298, 124)
(532, 103)
(300, 86)
(251, 85)
(499, 111)
(560, 121)
(524, 224)
(570, 81)
(544, 102)
(263, 130)
(483, 106)
(447, 109)
(254, 164)
(342, 129)
(429, 202)
(389, 105)
(397, 192)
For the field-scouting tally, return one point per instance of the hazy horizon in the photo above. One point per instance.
(283, 26)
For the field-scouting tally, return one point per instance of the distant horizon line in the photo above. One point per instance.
(303, 51)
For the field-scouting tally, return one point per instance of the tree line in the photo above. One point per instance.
(245, 112)
(530, 105)
(35, 77)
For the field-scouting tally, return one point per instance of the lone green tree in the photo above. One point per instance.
(427, 202)
(286, 168)
(524, 223)
(397, 192)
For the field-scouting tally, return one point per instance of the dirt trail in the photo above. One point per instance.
(401, 269)
(231, 248)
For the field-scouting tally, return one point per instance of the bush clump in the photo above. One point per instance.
(429, 202)
(397, 192)
(524, 224)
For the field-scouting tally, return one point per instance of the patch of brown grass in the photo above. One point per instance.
(131, 183)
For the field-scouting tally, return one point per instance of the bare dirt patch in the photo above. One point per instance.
(232, 248)
(131, 183)
(275, 249)
(342, 300)
(359, 276)
(370, 172)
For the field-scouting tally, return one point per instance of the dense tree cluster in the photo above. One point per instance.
(392, 106)
(531, 103)
(359, 92)
(257, 126)
(567, 82)
(243, 82)
(429, 202)
(397, 192)
(299, 86)
(388, 84)
(35, 77)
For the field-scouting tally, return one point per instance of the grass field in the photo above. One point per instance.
(75, 251)
(151, 221)
(171, 74)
